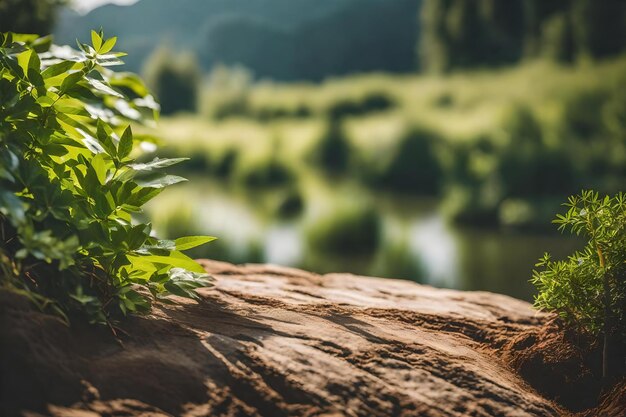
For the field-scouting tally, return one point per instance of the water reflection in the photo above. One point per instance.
(435, 245)
(411, 239)
(283, 244)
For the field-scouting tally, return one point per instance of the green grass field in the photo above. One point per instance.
(497, 146)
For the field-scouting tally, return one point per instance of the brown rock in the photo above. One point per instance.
(270, 341)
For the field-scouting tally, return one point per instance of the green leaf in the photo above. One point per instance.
(96, 40)
(174, 260)
(157, 163)
(13, 207)
(23, 60)
(108, 60)
(70, 81)
(45, 101)
(143, 195)
(103, 88)
(100, 167)
(104, 133)
(159, 248)
(34, 63)
(183, 282)
(42, 44)
(189, 242)
(161, 182)
(91, 143)
(108, 45)
(186, 262)
(58, 69)
(130, 81)
(126, 143)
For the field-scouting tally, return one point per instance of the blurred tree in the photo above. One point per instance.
(599, 27)
(174, 79)
(528, 167)
(374, 35)
(414, 167)
(463, 33)
(567, 30)
(432, 51)
(332, 152)
(28, 16)
(504, 28)
(536, 14)
(557, 39)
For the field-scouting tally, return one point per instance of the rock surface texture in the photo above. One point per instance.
(270, 341)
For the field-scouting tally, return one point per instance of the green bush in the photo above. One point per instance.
(290, 203)
(265, 174)
(414, 167)
(396, 260)
(527, 214)
(582, 113)
(527, 170)
(588, 289)
(332, 151)
(510, 177)
(352, 229)
(229, 107)
(69, 186)
(265, 170)
(373, 101)
(270, 113)
(472, 190)
(225, 165)
(475, 204)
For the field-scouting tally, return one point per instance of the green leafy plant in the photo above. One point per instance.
(70, 184)
(588, 289)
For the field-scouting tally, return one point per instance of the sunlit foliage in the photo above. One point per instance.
(588, 289)
(70, 184)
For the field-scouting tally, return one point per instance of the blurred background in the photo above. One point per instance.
(431, 140)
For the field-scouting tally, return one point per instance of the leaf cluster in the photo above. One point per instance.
(588, 289)
(70, 184)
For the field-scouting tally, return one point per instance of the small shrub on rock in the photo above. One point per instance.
(588, 289)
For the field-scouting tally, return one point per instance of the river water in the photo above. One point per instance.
(414, 240)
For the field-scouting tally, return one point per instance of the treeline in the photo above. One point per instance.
(312, 40)
(463, 33)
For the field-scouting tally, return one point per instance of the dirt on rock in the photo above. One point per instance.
(273, 341)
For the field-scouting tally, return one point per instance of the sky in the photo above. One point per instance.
(84, 6)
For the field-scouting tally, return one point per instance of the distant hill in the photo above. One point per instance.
(280, 39)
